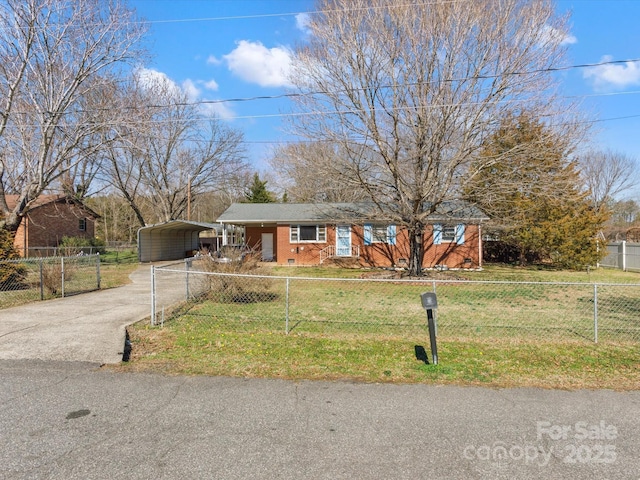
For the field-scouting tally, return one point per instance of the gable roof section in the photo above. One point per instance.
(42, 200)
(247, 213)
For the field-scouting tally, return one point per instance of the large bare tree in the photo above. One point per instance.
(54, 55)
(167, 153)
(410, 91)
(607, 174)
(307, 173)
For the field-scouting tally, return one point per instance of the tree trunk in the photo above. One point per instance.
(416, 251)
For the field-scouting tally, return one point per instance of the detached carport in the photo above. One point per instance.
(172, 240)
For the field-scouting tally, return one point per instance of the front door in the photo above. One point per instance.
(343, 241)
(267, 247)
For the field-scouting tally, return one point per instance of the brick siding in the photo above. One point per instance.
(446, 254)
(45, 225)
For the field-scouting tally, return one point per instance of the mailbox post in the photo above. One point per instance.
(430, 303)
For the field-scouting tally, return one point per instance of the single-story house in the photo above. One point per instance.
(313, 234)
(51, 218)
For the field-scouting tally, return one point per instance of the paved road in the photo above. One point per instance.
(85, 328)
(77, 421)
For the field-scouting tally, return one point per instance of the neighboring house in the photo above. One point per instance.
(313, 234)
(49, 219)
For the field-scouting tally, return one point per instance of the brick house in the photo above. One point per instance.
(49, 219)
(314, 234)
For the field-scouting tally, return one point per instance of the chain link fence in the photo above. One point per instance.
(31, 279)
(391, 307)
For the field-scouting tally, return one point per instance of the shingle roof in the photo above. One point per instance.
(12, 201)
(244, 213)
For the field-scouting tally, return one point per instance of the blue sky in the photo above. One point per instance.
(227, 49)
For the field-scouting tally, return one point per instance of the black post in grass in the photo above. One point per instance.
(430, 303)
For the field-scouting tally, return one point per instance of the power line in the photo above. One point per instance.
(348, 111)
(284, 142)
(291, 14)
(387, 86)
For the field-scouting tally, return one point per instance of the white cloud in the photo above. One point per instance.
(302, 22)
(191, 90)
(619, 75)
(255, 63)
(211, 85)
(553, 35)
(151, 79)
(219, 109)
(568, 39)
(213, 60)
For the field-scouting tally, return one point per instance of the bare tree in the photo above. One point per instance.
(607, 174)
(54, 55)
(307, 173)
(166, 154)
(410, 91)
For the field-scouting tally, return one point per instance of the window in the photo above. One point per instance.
(82, 224)
(448, 234)
(377, 233)
(307, 233)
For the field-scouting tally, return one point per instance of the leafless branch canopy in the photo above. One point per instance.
(607, 174)
(165, 155)
(411, 91)
(54, 56)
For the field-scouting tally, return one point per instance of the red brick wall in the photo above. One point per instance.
(450, 254)
(302, 253)
(45, 225)
(253, 238)
(375, 255)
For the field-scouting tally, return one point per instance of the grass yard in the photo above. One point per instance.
(491, 334)
(116, 275)
(248, 350)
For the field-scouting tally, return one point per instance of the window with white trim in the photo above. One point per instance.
(307, 233)
(82, 224)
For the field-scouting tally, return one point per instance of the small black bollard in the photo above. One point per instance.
(430, 303)
(126, 354)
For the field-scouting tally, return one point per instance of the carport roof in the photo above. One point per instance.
(182, 225)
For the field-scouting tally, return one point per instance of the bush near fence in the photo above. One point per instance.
(46, 278)
(392, 307)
